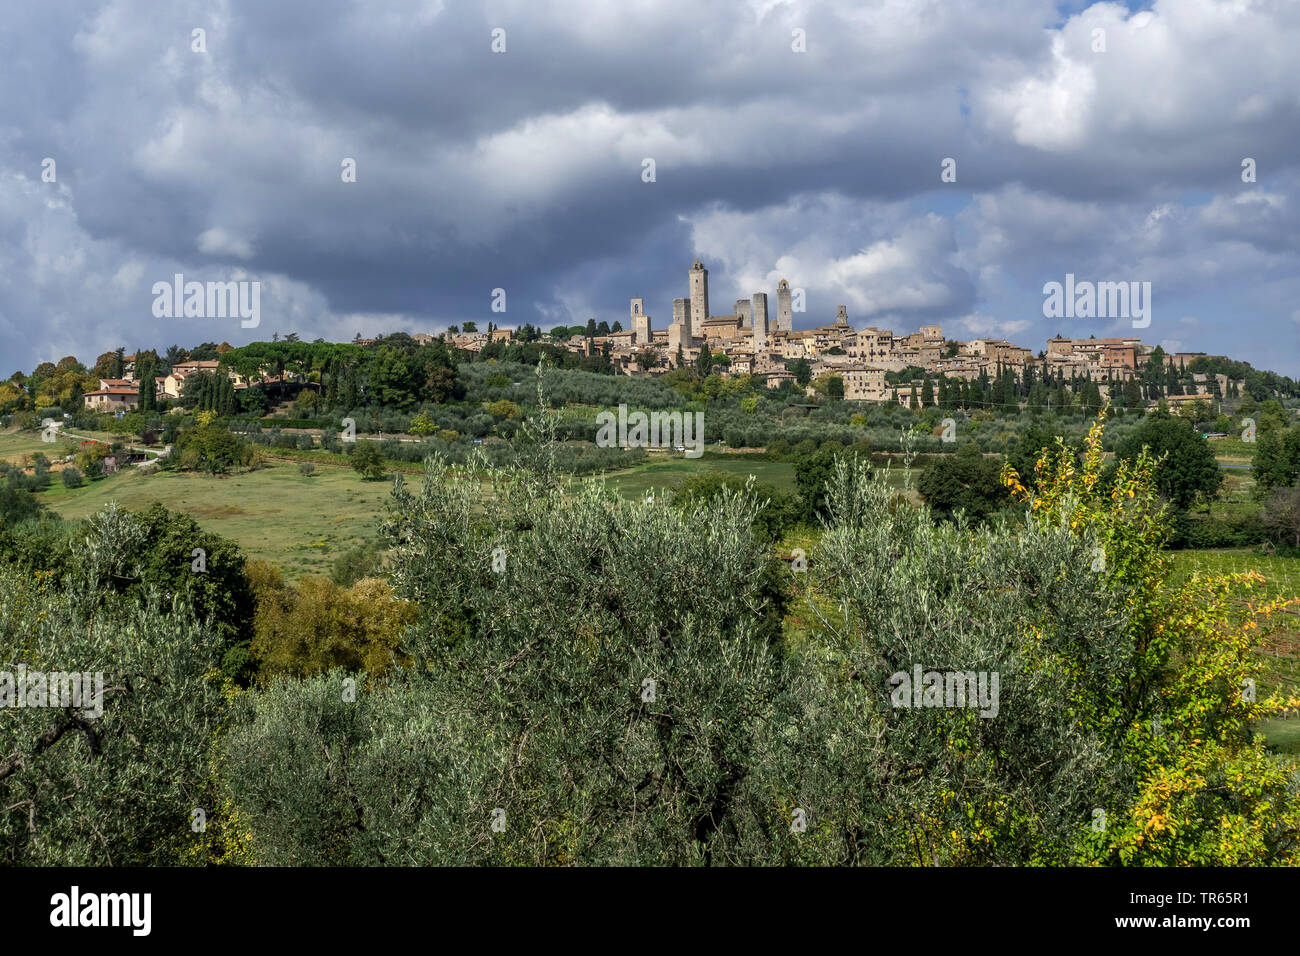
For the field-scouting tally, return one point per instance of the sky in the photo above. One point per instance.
(796, 140)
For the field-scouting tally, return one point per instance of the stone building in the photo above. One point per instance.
(863, 383)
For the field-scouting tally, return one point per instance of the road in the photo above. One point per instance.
(147, 451)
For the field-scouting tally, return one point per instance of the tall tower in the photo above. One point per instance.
(760, 322)
(742, 312)
(784, 314)
(842, 315)
(699, 298)
(678, 337)
(682, 313)
(641, 333)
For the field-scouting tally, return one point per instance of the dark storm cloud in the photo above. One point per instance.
(522, 170)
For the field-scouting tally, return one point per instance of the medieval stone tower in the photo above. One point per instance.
(678, 337)
(682, 312)
(784, 313)
(842, 315)
(640, 323)
(699, 298)
(760, 321)
(742, 312)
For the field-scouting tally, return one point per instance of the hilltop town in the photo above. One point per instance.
(750, 341)
(873, 365)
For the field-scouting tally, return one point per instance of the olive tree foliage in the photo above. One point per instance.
(119, 788)
(588, 673)
(603, 679)
(879, 782)
(582, 685)
(596, 681)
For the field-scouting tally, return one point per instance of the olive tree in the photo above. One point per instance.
(588, 676)
(117, 787)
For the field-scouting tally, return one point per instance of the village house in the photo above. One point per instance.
(112, 399)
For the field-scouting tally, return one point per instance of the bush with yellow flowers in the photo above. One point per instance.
(1206, 791)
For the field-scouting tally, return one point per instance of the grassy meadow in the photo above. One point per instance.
(663, 471)
(667, 472)
(302, 523)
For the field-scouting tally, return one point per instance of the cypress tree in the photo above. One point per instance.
(146, 370)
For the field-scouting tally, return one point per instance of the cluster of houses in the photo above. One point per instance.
(756, 345)
(119, 394)
(116, 394)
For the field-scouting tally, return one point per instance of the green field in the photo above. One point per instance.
(303, 523)
(668, 472)
(1283, 734)
(15, 444)
(1233, 449)
(1282, 574)
(274, 513)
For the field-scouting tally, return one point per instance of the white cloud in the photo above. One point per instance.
(806, 242)
(218, 242)
(978, 325)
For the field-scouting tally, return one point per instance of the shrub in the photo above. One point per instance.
(966, 482)
(90, 459)
(1187, 471)
(209, 448)
(422, 424)
(364, 560)
(316, 625)
(778, 511)
(367, 461)
(17, 503)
